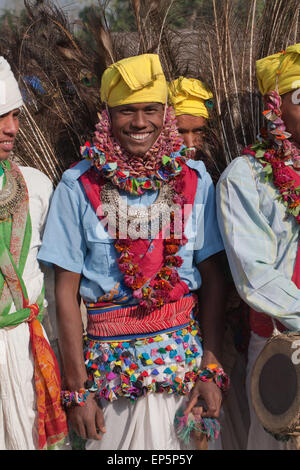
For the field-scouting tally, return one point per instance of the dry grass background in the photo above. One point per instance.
(60, 73)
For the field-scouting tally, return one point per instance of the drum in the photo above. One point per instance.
(275, 385)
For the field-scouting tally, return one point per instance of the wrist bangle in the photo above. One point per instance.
(213, 373)
(79, 397)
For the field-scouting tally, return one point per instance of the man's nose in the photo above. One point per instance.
(9, 125)
(139, 120)
(189, 139)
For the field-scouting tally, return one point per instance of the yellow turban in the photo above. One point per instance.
(188, 96)
(137, 79)
(280, 71)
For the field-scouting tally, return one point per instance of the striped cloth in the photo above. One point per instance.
(260, 240)
(111, 320)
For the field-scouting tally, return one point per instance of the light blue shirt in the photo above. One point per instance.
(261, 242)
(76, 240)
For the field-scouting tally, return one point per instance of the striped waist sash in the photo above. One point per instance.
(111, 320)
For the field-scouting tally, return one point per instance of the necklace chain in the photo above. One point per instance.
(138, 221)
(11, 195)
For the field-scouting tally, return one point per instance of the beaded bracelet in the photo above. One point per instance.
(213, 373)
(79, 398)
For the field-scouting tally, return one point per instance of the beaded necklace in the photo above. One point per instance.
(131, 173)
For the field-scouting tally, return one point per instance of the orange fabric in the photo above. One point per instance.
(52, 422)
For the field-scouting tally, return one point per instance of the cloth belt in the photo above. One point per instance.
(111, 320)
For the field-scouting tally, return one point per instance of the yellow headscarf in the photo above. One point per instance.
(137, 79)
(280, 71)
(188, 96)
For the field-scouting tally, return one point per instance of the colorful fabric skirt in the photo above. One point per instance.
(135, 365)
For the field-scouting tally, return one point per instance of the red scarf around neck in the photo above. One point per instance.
(149, 253)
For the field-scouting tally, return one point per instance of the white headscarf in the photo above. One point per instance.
(10, 95)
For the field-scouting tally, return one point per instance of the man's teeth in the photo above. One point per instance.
(140, 136)
(6, 143)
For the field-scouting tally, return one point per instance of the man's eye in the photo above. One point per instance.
(126, 111)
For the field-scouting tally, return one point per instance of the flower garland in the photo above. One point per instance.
(131, 173)
(152, 293)
(276, 151)
(162, 164)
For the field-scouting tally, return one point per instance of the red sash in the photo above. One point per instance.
(116, 320)
(261, 323)
(149, 253)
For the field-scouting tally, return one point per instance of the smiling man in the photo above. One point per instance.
(31, 416)
(8, 134)
(142, 359)
(137, 126)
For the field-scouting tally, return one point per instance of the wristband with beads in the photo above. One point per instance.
(77, 398)
(213, 373)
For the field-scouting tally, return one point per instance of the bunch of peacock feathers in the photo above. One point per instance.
(59, 79)
(59, 70)
(221, 46)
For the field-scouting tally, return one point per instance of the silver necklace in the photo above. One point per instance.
(11, 195)
(136, 221)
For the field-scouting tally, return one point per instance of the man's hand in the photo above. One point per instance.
(208, 392)
(87, 421)
(211, 319)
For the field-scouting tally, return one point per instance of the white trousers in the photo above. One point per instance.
(18, 413)
(18, 410)
(146, 424)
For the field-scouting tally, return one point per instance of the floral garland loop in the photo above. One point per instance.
(275, 151)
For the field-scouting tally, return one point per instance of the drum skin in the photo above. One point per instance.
(275, 385)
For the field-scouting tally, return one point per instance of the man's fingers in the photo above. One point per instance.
(197, 411)
(92, 432)
(88, 421)
(213, 408)
(191, 404)
(100, 424)
(212, 412)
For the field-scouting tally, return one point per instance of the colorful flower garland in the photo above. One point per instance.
(156, 292)
(170, 166)
(153, 293)
(118, 167)
(131, 173)
(275, 151)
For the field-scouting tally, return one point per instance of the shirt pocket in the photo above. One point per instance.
(102, 255)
